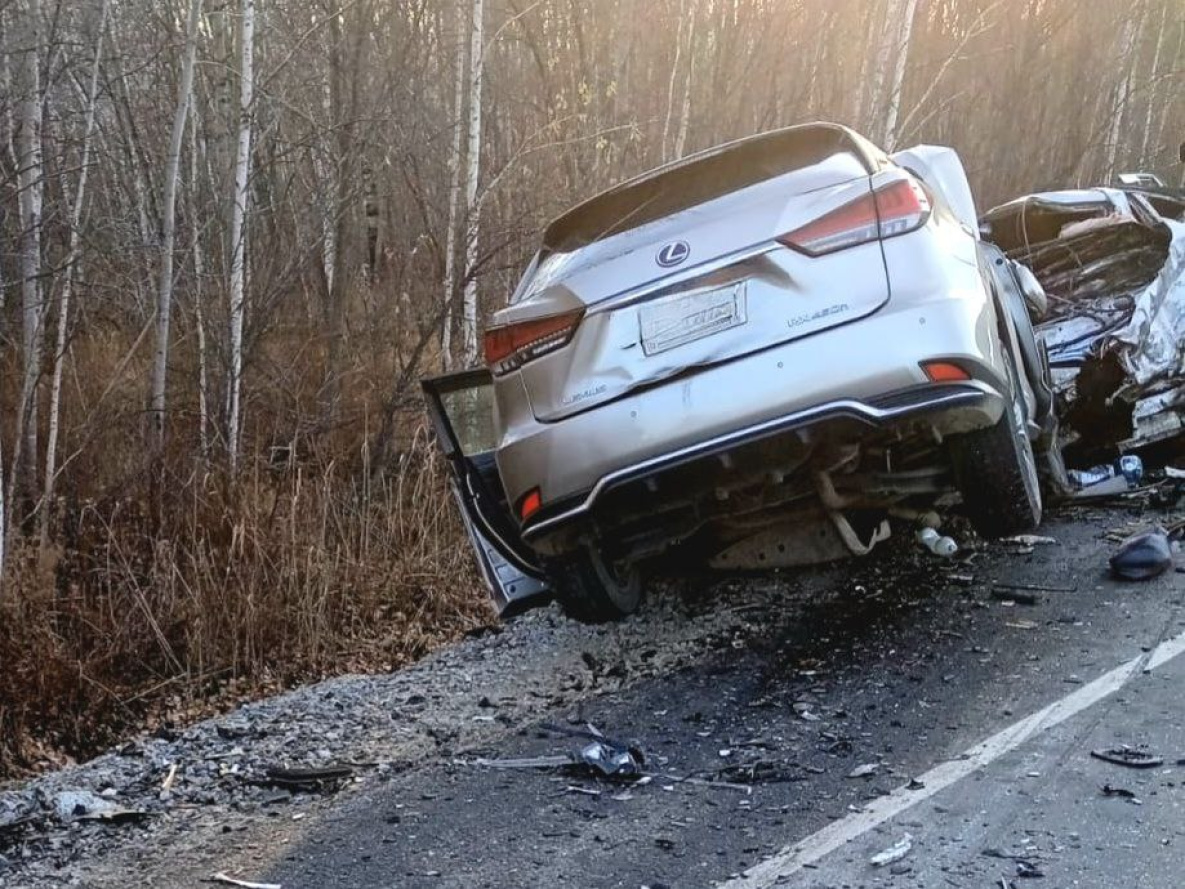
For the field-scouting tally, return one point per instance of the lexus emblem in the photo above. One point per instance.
(673, 254)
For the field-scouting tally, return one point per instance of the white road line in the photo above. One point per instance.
(806, 852)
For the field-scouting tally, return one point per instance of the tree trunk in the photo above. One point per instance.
(72, 259)
(472, 179)
(238, 234)
(31, 184)
(1153, 91)
(168, 226)
(454, 197)
(685, 109)
(904, 34)
(1132, 25)
(199, 281)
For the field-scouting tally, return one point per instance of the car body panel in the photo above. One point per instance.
(460, 406)
(883, 355)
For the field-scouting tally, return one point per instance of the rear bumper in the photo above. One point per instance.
(975, 396)
(854, 370)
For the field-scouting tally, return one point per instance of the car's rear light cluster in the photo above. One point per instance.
(893, 209)
(510, 346)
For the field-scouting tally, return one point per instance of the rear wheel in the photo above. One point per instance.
(996, 472)
(593, 589)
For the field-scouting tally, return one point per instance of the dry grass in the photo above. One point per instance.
(167, 594)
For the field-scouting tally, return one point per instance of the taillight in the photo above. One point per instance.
(512, 345)
(530, 504)
(893, 209)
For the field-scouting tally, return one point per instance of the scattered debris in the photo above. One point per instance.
(894, 853)
(936, 543)
(602, 757)
(82, 805)
(865, 771)
(1033, 587)
(1122, 792)
(1017, 598)
(1143, 556)
(307, 780)
(1132, 757)
(1030, 540)
(243, 884)
(1027, 870)
(612, 761)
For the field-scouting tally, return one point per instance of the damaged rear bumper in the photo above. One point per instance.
(969, 404)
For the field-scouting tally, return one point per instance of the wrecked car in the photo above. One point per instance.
(754, 354)
(1112, 265)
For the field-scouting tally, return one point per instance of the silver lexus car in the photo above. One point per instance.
(757, 355)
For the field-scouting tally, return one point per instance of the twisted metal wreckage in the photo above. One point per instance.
(1112, 264)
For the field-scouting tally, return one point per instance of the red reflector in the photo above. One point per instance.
(531, 504)
(944, 372)
(897, 208)
(513, 345)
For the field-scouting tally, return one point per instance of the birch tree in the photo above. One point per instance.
(472, 181)
(238, 231)
(164, 298)
(73, 255)
(454, 196)
(31, 184)
(904, 34)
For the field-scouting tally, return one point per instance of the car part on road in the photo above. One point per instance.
(1143, 556)
(1131, 757)
(894, 853)
(1121, 792)
(243, 884)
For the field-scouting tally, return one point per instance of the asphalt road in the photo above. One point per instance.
(898, 661)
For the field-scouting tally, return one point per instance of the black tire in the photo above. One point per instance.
(996, 472)
(593, 591)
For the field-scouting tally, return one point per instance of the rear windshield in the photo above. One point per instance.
(707, 176)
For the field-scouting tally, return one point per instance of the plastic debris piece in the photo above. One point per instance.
(1143, 556)
(894, 853)
(306, 779)
(1173, 472)
(1016, 598)
(611, 760)
(1132, 757)
(865, 771)
(244, 884)
(936, 543)
(1121, 792)
(1030, 540)
(1028, 871)
(82, 805)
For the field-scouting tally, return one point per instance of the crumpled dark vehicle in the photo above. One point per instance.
(1113, 268)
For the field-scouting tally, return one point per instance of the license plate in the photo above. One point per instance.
(677, 320)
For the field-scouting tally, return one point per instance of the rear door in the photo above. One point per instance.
(461, 407)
